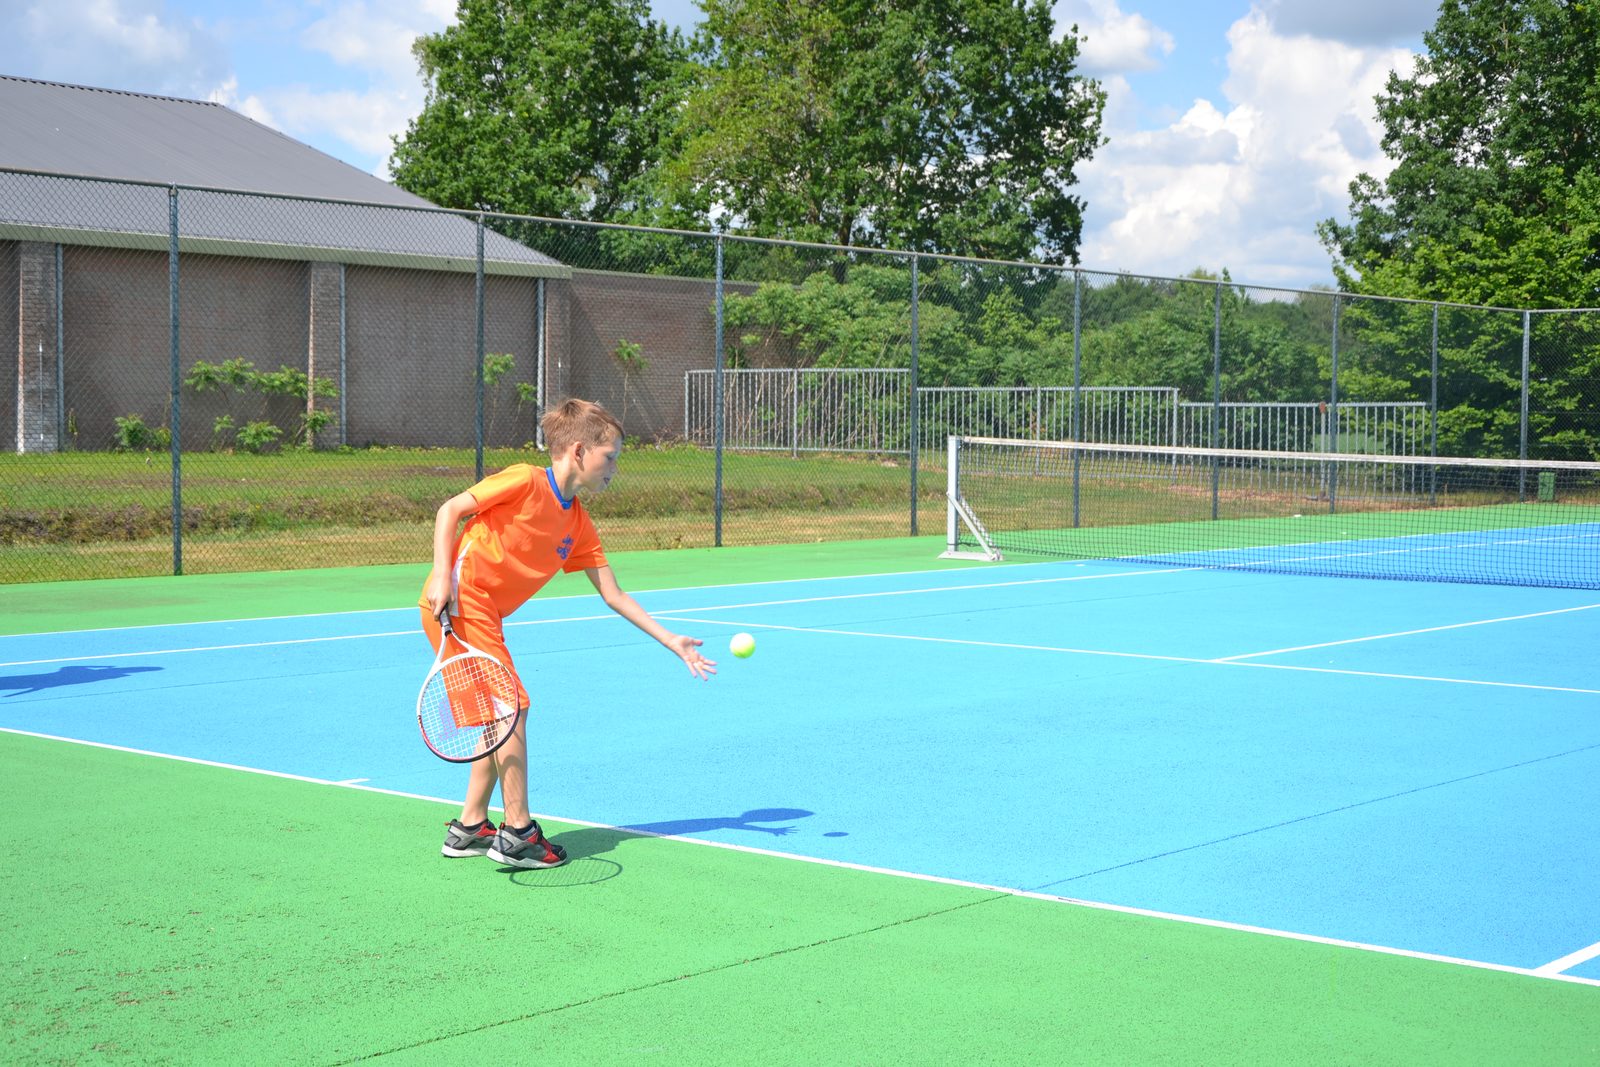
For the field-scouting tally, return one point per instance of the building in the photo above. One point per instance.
(286, 257)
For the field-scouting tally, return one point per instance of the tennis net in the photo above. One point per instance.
(1507, 522)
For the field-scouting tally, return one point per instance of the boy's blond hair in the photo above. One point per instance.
(580, 422)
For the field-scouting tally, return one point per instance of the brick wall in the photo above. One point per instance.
(672, 320)
(409, 354)
(118, 340)
(412, 356)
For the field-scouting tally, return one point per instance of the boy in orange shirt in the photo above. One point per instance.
(525, 524)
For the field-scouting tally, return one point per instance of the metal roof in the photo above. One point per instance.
(56, 139)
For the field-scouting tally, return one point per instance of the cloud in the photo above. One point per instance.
(1362, 23)
(374, 37)
(356, 114)
(136, 45)
(1241, 186)
(1114, 41)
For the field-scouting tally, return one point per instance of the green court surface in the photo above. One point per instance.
(166, 911)
(191, 913)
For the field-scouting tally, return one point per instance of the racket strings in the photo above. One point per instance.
(468, 706)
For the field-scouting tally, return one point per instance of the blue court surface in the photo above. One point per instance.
(1407, 765)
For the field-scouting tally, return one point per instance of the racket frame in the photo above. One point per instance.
(440, 662)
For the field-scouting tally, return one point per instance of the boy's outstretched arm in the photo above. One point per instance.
(686, 648)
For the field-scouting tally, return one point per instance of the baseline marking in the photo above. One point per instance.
(1122, 909)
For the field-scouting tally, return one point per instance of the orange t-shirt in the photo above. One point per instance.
(522, 534)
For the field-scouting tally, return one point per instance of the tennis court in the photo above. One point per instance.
(1032, 812)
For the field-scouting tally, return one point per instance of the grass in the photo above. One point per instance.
(97, 514)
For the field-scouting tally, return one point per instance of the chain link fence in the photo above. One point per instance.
(210, 381)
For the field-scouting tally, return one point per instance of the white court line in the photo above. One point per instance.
(1409, 633)
(576, 618)
(1155, 568)
(675, 617)
(1570, 960)
(1122, 909)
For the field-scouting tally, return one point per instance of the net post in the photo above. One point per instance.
(957, 512)
(952, 531)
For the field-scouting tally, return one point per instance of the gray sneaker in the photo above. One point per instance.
(461, 840)
(526, 849)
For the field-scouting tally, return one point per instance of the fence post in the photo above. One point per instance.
(1216, 397)
(1433, 404)
(177, 417)
(717, 387)
(344, 354)
(1522, 448)
(1332, 444)
(1077, 388)
(538, 368)
(61, 357)
(478, 345)
(915, 401)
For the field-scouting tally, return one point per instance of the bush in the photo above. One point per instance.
(134, 436)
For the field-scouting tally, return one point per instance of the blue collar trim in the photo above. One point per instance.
(566, 505)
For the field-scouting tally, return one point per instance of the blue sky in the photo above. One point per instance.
(1234, 125)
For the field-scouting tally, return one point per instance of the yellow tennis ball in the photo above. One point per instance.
(742, 645)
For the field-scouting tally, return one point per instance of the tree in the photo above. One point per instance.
(1497, 141)
(542, 107)
(1494, 200)
(933, 125)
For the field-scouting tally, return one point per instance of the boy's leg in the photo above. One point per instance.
(509, 766)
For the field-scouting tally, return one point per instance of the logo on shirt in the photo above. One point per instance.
(564, 549)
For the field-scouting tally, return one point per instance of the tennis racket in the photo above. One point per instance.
(468, 705)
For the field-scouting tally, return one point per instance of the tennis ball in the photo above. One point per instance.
(742, 645)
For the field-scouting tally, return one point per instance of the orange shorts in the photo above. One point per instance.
(482, 634)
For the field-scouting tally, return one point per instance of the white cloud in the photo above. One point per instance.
(375, 42)
(1114, 41)
(137, 45)
(374, 37)
(1242, 188)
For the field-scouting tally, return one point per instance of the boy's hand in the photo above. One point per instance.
(436, 591)
(688, 650)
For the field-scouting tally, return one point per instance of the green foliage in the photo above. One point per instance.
(1494, 199)
(630, 357)
(256, 436)
(133, 435)
(944, 125)
(542, 107)
(496, 365)
(240, 376)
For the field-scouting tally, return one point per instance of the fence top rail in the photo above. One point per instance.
(1306, 404)
(1175, 452)
(731, 371)
(1058, 268)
